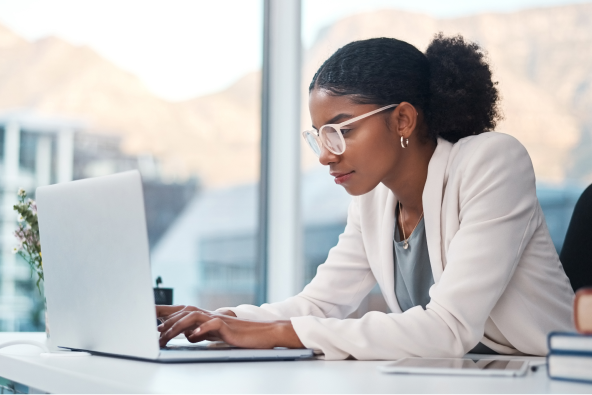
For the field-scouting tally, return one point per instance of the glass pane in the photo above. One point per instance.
(99, 87)
(539, 51)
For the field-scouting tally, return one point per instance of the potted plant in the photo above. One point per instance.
(27, 236)
(162, 295)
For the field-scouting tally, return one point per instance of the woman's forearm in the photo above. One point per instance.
(285, 335)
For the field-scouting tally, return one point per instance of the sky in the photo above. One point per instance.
(181, 49)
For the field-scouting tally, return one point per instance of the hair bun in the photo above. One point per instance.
(463, 98)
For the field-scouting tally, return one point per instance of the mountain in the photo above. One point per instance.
(233, 129)
(53, 77)
(541, 58)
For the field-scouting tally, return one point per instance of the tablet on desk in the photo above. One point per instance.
(457, 366)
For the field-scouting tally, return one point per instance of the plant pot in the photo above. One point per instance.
(163, 296)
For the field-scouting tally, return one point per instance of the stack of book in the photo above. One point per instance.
(570, 354)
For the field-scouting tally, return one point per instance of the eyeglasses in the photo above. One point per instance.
(331, 135)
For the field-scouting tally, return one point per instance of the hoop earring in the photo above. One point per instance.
(404, 142)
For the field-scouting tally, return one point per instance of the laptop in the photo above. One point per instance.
(98, 282)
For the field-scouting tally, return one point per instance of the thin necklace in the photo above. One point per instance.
(406, 239)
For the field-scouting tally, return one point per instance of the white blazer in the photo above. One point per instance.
(498, 279)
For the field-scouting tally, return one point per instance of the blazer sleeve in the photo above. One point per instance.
(497, 201)
(338, 287)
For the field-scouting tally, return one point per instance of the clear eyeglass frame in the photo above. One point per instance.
(331, 137)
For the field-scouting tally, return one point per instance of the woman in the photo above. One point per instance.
(444, 217)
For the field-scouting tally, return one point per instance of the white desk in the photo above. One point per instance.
(23, 364)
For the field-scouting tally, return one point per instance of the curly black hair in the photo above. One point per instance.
(451, 83)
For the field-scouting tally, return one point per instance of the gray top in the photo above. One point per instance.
(413, 274)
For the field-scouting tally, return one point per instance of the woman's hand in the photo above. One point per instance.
(198, 325)
(166, 312)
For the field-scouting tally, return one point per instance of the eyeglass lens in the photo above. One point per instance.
(310, 139)
(332, 140)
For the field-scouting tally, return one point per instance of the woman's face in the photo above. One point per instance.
(373, 147)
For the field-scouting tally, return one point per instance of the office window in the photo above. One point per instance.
(171, 88)
(539, 51)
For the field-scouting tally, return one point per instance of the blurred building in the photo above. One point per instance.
(208, 255)
(38, 150)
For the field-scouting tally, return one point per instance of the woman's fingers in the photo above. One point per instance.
(211, 328)
(170, 316)
(175, 316)
(188, 322)
(171, 329)
(166, 325)
(189, 334)
(163, 311)
(196, 337)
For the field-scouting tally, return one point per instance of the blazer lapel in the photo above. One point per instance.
(387, 230)
(432, 204)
